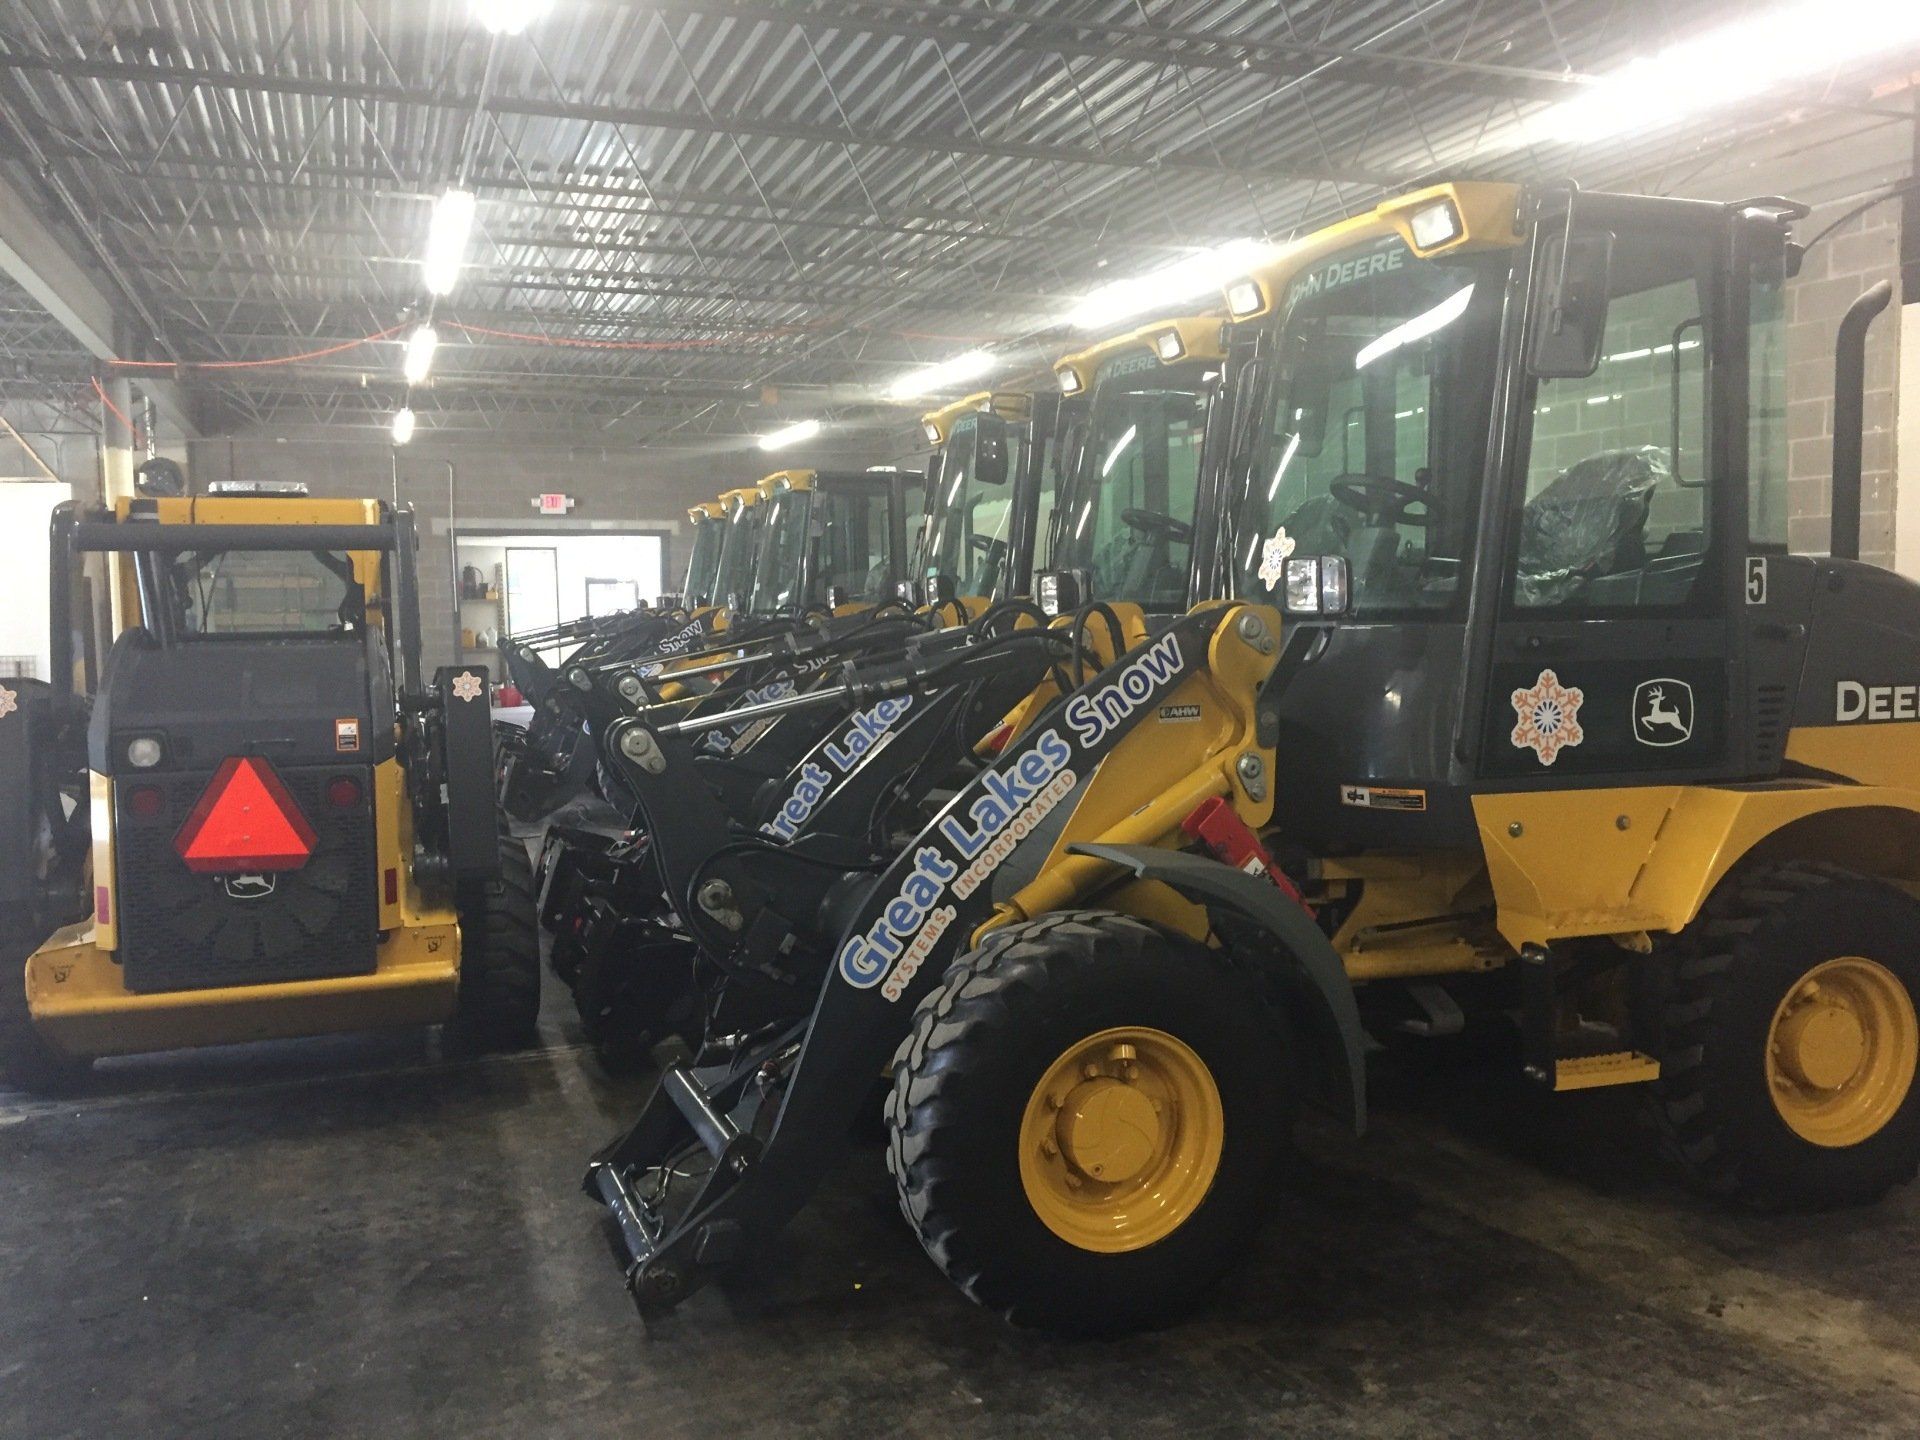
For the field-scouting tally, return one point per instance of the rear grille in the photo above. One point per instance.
(182, 931)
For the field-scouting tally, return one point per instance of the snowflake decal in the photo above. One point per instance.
(1273, 557)
(467, 686)
(1549, 718)
(9, 701)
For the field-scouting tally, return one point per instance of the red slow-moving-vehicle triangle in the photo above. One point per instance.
(245, 821)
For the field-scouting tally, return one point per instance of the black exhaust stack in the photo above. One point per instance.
(1849, 411)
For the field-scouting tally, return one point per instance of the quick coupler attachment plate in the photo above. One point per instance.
(672, 1180)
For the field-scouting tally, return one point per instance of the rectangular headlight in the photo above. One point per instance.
(1244, 297)
(1303, 585)
(933, 433)
(1047, 590)
(1434, 225)
(1169, 346)
(1069, 381)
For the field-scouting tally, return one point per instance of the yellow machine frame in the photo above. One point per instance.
(1621, 863)
(75, 991)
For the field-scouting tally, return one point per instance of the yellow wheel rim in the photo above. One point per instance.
(1841, 1052)
(1121, 1139)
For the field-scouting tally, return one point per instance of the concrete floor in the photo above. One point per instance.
(350, 1237)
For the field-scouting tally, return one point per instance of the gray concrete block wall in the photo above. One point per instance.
(1836, 271)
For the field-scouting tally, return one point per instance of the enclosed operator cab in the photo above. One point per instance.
(277, 844)
(707, 523)
(991, 482)
(833, 540)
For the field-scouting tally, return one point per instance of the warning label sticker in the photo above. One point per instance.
(1382, 797)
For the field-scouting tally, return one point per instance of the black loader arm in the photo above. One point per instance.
(1300, 956)
(473, 816)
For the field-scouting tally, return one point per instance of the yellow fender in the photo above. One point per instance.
(1627, 862)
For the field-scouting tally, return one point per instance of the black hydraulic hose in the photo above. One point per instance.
(1079, 629)
(861, 638)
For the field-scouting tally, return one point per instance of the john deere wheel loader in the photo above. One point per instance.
(544, 765)
(617, 912)
(991, 479)
(802, 548)
(1555, 728)
(263, 821)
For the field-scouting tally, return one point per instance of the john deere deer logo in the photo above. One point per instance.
(1663, 712)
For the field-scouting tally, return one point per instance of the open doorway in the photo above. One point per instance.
(516, 583)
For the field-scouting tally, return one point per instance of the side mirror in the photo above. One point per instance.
(1309, 395)
(939, 588)
(990, 458)
(1570, 312)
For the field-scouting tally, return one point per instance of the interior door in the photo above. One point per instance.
(533, 592)
(1613, 652)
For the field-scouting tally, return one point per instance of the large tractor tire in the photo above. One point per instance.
(27, 1061)
(1789, 1041)
(1086, 1121)
(499, 1004)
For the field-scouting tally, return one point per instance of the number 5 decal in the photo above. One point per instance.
(1756, 579)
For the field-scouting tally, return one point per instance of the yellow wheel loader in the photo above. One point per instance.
(1522, 708)
(261, 819)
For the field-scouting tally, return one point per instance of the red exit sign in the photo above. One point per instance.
(553, 504)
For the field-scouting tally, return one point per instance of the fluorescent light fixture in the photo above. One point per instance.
(1742, 60)
(1418, 328)
(1199, 273)
(509, 17)
(447, 240)
(402, 426)
(791, 435)
(944, 376)
(420, 347)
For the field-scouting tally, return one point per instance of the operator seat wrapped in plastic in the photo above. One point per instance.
(1591, 521)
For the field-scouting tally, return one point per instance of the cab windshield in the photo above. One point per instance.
(265, 592)
(852, 559)
(703, 561)
(783, 540)
(1375, 436)
(1127, 521)
(824, 546)
(735, 573)
(971, 539)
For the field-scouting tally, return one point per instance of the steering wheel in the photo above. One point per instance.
(1383, 501)
(986, 544)
(1158, 527)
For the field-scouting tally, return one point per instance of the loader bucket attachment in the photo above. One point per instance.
(727, 1149)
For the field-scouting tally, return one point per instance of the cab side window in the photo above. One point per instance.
(1617, 510)
(853, 543)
